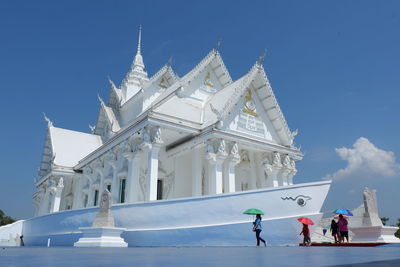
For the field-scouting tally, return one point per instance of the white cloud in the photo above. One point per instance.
(365, 159)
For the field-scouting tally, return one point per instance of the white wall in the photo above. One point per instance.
(10, 234)
(183, 175)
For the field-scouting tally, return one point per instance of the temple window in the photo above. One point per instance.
(159, 189)
(85, 200)
(96, 195)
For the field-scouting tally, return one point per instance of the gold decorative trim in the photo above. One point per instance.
(162, 83)
(207, 81)
(249, 107)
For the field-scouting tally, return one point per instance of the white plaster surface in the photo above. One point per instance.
(207, 220)
(10, 234)
(70, 146)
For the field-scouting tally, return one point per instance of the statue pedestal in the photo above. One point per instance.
(101, 237)
(373, 234)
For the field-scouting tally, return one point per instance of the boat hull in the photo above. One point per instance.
(200, 221)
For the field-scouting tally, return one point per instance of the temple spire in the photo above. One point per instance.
(138, 64)
(139, 40)
(137, 74)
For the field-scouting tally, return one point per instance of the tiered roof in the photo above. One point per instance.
(173, 99)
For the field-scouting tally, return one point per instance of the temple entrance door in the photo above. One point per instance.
(159, 189)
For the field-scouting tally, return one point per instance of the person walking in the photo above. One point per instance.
(258, 228)
(334, 231)
(343, 230)
(306, 233)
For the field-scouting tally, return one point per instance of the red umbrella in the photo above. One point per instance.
(305, 221)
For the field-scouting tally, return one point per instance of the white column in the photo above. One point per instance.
(272, 173)
(196, 172)
(90, 201)
(44, 203)
(290, 176)
(57, 196)
(101, 186)
(229, 169)
(229, 176)
(253, 175)
(215, 161)
(215, 175)
(36, 203)
(115, 185)
(293, 172)
(284, 177)
(77, 191)
(152, 173)
(133, 179)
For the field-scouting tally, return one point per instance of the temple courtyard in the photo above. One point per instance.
(219, 256)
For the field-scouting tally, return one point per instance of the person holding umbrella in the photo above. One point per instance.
(305, 231)
(343, 230)
(258, 228)
(257, 224)
(342, 224)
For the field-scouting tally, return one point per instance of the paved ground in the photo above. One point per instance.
(193, 257)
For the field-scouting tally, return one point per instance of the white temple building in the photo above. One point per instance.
(169, 137)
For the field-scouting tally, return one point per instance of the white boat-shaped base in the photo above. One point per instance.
(101, 237)
(375, 234)
(215, 220)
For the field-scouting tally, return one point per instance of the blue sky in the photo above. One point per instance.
(334, 67)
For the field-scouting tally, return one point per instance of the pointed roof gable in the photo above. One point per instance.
(116, 96)
(214, 59)
(166, 71)
(223, 102)
(263, 89)
(178, 105)
(106, 116)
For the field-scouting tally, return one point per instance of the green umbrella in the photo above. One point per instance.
(253, 212)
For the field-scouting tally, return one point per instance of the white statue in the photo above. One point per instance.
(221, 147)
(277, 159)
(157, 136)
(60, 182)
(104, 217)
(286, 162)
(235, 150)
(371, 217)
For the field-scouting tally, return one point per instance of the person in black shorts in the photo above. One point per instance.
(334, 231)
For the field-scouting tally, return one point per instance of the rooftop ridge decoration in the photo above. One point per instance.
(49, 122)
(167, 67)
(110, 117)
(117, 92)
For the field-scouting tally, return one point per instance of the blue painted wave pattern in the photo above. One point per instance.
(300, 199)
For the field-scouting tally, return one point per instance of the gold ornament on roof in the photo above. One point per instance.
(207, 80)
(249, 106)
(162, 83)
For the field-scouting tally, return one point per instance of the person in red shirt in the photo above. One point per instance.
(306, 234)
